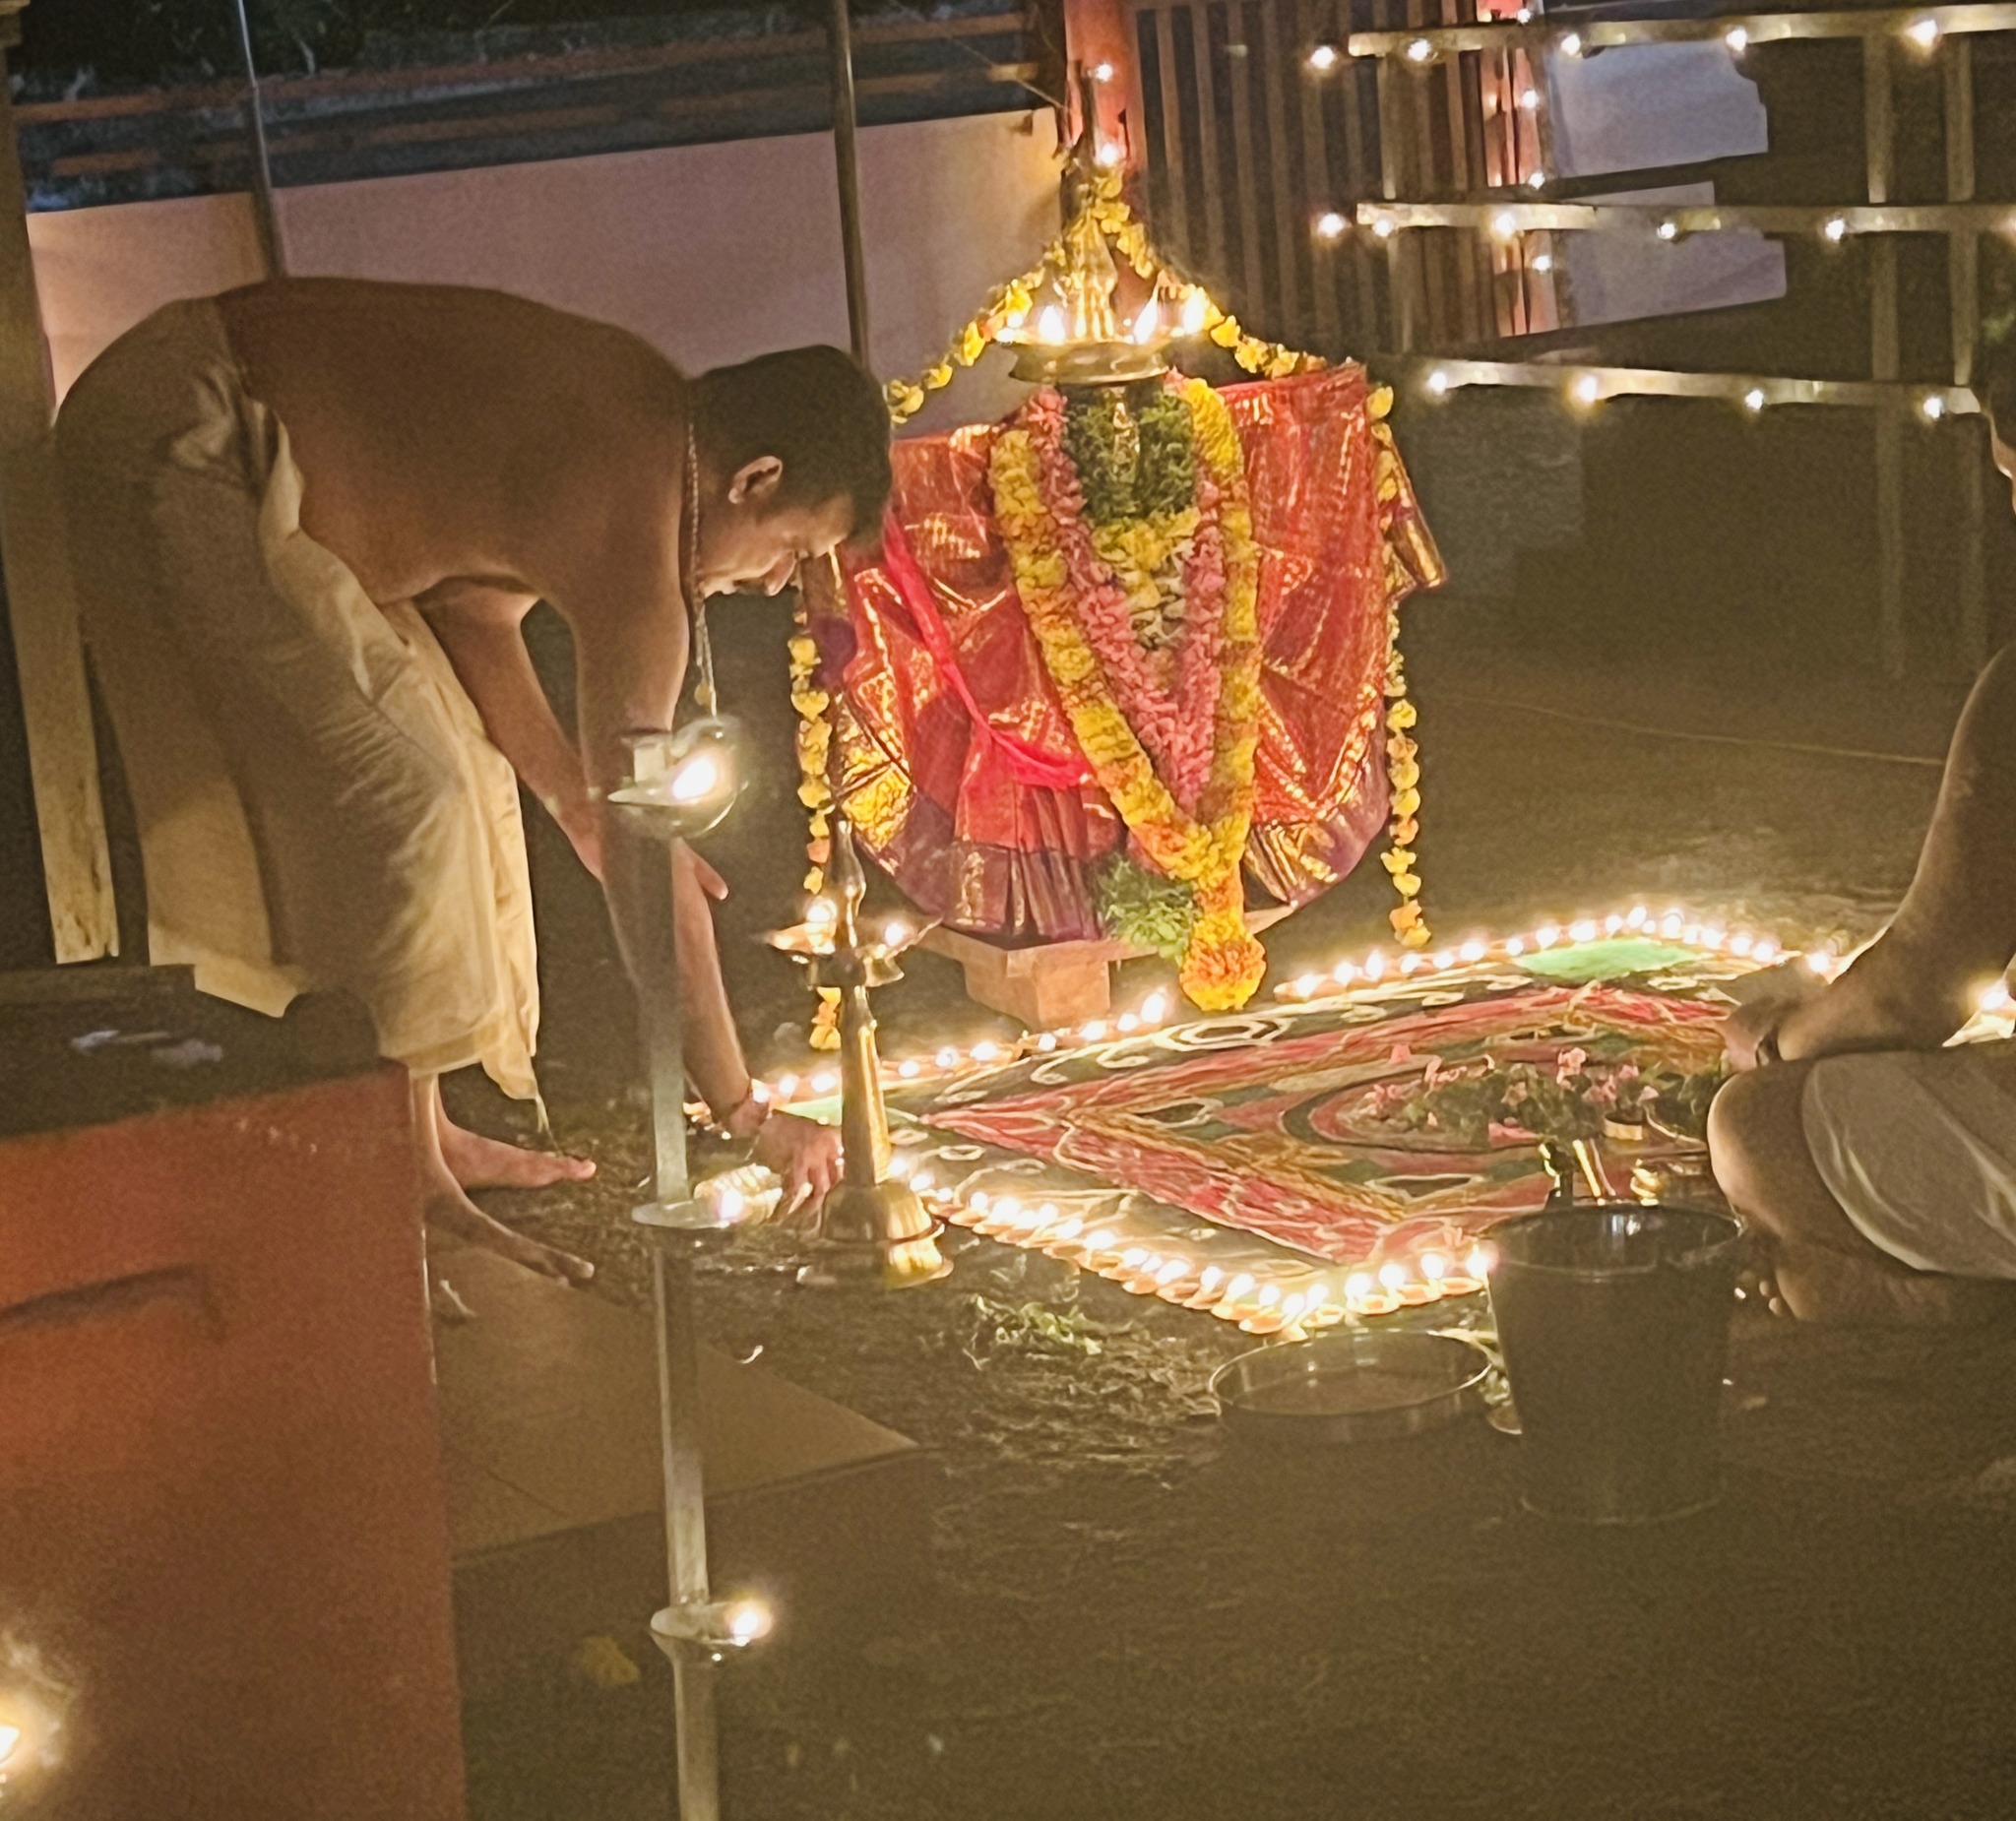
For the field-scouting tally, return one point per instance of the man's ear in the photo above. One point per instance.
(756, 482)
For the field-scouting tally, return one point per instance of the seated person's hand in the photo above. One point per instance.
(805, 1155)
(1749, 1025)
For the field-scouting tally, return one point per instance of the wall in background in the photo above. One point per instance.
(712, 252)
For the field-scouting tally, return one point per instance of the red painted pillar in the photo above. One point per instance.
(1098, 39)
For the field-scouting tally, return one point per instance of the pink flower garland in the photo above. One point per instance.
(1176, 726)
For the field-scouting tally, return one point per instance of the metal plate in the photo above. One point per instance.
(1350, 1386)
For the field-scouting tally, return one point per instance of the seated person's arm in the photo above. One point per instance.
(1956, 929)
(480, 627)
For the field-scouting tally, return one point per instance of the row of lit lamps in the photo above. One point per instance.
(1290, 1298)
(1375, 968)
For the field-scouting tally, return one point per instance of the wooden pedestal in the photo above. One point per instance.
(1054, 983)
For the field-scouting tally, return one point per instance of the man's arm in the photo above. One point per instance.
(630, 660)
(480, 627)
(628, 613)
(1956, 929)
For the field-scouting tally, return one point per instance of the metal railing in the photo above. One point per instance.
(1397, 178)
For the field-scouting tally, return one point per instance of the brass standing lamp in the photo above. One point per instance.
(872, 1229)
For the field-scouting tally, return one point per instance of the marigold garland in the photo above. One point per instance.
(1403, 752)
(814, 746)
(1205, 846)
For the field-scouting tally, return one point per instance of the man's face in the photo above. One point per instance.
(2005, 459)
(750, 543)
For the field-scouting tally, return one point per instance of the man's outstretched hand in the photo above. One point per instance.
(805, 1155)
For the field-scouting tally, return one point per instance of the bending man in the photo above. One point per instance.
(308, 519)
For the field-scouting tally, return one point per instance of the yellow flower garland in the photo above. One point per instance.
(814, 746)
(1224, 962)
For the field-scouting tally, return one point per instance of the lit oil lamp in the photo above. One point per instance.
(873, 1226)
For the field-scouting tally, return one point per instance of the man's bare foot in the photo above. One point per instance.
(1821, 1284)
(450, 1213)
(480, 1163)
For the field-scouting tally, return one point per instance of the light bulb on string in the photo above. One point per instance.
(1330, 226)
(1323, 57)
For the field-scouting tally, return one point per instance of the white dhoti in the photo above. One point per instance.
(319, 806)
(1919, 1147)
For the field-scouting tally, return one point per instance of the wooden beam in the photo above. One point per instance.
(1511, 217)
(48, 650)
(1422, 47)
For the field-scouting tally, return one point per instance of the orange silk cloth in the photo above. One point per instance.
(957, 765)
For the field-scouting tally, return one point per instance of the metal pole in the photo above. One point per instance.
(646, 876)
(1880, 125)
(1962, 269)
(846, 161)
(271, 246)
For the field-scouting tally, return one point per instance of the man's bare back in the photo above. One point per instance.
(449, 434)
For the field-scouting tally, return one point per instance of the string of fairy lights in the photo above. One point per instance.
(1920, 30)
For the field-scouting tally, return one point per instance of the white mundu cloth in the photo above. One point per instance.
(1919, 1147)
(318, 803)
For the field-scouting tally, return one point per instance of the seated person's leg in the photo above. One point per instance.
(1875, 1132)
(1956, 929)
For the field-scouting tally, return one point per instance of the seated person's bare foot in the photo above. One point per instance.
(480, 1163)
(1827, 1286)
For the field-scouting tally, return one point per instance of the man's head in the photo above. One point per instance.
(793, 462)
(1995, 385)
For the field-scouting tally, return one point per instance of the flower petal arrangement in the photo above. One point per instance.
(1144, 606)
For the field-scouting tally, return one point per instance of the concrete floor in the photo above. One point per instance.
(1124, 1615)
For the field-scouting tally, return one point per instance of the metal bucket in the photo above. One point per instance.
(1614, 1328)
